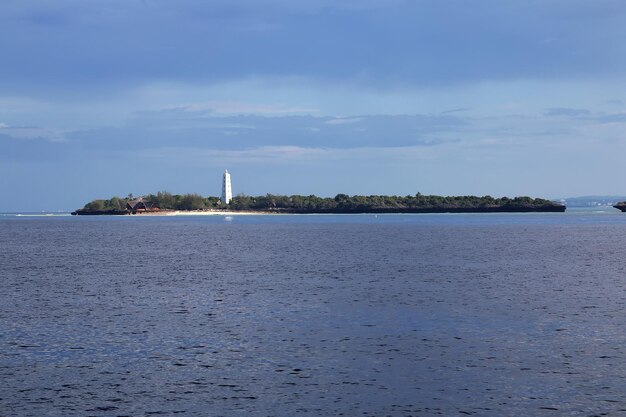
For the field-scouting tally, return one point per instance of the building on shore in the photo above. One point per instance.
(227, 190)
(141, 205)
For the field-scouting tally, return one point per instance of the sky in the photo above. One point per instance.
(447, 97)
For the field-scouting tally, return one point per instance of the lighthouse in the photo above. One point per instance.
(227, 190)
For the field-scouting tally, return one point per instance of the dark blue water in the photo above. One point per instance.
(418, 315)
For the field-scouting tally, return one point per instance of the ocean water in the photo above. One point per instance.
(392, 315)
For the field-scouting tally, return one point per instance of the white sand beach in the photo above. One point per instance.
(204, 213)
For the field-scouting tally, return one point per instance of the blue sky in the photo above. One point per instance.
(448, 97)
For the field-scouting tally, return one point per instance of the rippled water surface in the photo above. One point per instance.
(486, 315)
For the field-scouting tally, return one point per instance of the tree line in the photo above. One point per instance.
(163, 200)
(314, 204)
(379, 203)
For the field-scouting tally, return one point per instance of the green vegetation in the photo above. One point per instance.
(115, 203)
(341, 203)
(168, 201)
(163, 200)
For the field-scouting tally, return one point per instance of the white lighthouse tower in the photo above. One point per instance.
(227, 190)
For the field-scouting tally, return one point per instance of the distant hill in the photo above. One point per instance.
(592, 200)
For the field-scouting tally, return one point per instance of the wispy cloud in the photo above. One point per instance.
(588, 115)
(283, 154)
(31, 133)
(236, 108)
(458, 110)
(343, 120)
(195, 129)
(565, 111)
(611, 118)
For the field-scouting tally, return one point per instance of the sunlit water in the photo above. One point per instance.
(392, 315)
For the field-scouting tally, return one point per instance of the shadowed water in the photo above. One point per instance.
(399, 316)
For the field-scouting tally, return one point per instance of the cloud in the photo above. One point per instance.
(564, 111)
(233, 107)
(186, 129)
(111, 46)
(343, 121)
(31, 133)
(32, 150)
(611, 118)
(587, 115)
(290, 155)
(458, 110)
(181, 134)
(263, 154)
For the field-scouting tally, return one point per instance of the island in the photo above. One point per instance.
(164, 202)
(621, 206)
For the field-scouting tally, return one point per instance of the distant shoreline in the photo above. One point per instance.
(433, 210)
(167, 204)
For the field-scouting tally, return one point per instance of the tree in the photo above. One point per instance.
(164, 200)
(96, 205)
(116, 203)
(191, 202)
